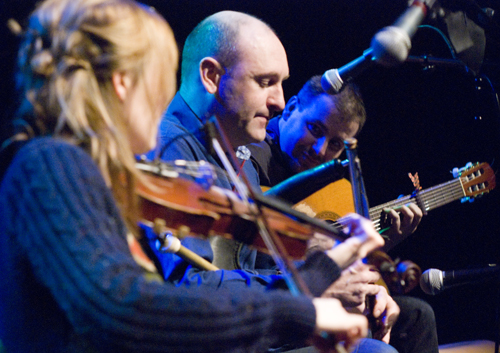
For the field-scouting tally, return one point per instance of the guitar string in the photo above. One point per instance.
(432, 198)
(439, 195)
(429, 196)
(436, 196)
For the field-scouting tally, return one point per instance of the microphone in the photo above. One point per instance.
(389, 47)
(434, 281)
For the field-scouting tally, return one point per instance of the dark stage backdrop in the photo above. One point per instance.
(420, 119)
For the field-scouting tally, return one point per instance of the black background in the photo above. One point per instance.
(419, 120)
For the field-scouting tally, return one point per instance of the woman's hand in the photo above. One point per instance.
(364, 239)
(332, 318)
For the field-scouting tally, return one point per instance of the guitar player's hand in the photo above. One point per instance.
(403, 220)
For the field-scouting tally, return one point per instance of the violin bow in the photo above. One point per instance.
(295, 283)
(278, 251)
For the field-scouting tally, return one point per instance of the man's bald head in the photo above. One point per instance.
(233, 67)
(218, 36)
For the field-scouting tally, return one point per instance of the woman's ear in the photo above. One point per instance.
(290, 106)
(211, 72)
(121, 83)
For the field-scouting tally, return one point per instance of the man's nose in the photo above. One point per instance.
(321, 146)
(276, 99)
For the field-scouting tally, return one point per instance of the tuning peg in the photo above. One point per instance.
(458, 171)
(467, 198)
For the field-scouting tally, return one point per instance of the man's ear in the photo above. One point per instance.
(290, 106)
(211, 72)
(121, 83)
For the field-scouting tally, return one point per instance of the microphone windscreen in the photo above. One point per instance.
(331, 81)
(391, 46)
(431, 281)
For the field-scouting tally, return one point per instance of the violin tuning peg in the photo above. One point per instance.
(159, 225)
(183, 231)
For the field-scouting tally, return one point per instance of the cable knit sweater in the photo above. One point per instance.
(70, 284)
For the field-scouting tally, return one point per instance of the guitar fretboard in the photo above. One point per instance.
(473, 181)
(431, 198)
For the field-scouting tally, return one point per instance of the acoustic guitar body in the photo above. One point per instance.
(330, 203)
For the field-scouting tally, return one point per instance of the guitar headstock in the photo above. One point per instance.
(476, 179)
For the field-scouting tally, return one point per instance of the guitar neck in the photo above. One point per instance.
(431, 198)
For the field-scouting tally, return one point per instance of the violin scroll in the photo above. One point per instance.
(400, 277)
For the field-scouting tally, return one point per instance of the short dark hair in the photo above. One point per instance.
(348, 101)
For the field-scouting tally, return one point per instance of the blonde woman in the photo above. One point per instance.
(94, 78)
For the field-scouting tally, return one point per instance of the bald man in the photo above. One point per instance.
(233, 66)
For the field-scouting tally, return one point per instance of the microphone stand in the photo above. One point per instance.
(434, 61)
(357, 183)
(361, 207)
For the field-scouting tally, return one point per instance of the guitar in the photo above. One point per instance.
(335, 200)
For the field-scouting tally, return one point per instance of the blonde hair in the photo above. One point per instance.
(66, 61)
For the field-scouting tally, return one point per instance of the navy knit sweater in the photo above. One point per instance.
(70, 284)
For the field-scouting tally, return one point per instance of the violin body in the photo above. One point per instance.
(180, 202)
(184, 203)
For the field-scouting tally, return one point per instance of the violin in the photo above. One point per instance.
(187, 208)
(184, 207)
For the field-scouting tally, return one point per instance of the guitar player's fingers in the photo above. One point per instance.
(411, 216)
(404, 219)
(394, 221)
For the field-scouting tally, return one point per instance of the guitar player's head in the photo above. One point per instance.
(315, 124)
